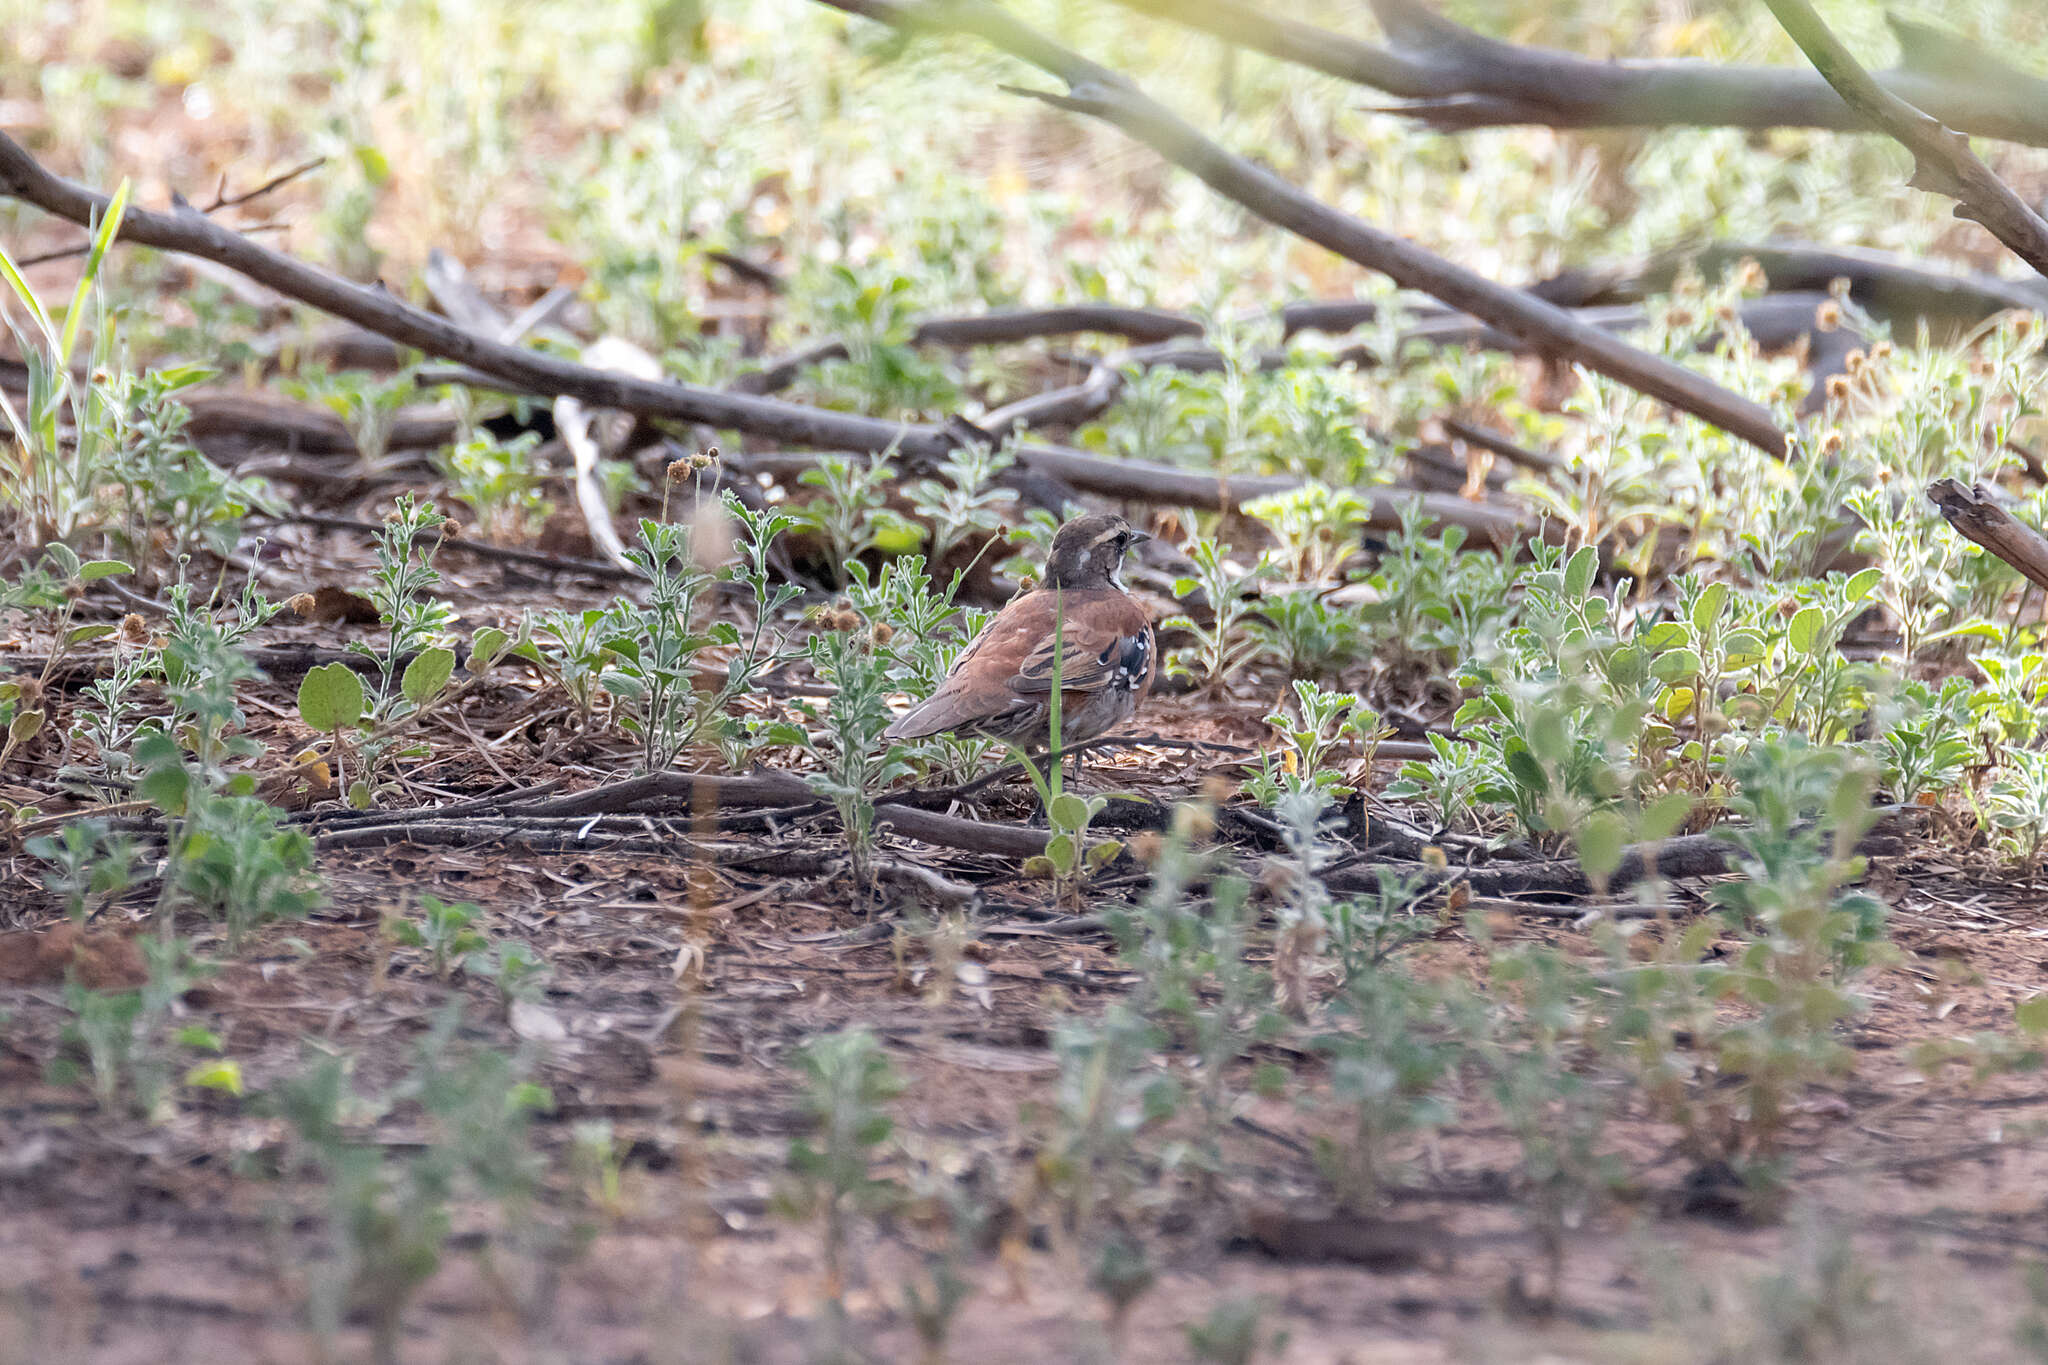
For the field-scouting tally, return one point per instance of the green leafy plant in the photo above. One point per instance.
(847, 1079)
(851, 514)
(963, 501)
(389, 1215)
(56, 482)
(445, 931)
(500, 483)
(845, 735)
(1222, 645)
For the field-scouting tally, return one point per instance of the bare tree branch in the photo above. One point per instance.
(187, 231)
(1942, 160)
(1105, 94)
(1456, 79)
(1976, 518)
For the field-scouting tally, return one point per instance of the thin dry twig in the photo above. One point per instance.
(221, 200)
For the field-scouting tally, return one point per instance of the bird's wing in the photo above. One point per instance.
(1009, 667)
(1090, 658)
(1106, 641)
(978, 687)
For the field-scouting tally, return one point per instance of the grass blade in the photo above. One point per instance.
(117, 208)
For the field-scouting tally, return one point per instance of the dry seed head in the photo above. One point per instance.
(1828, 316)
(134, 630)
(1750, 277)
(1838, 387)
(1831, 444)
(1679, 316)
(679, 470)
(710, 535)
(301, 603)
(883, 632)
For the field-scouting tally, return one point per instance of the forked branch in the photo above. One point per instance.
(1942, 160)
(1453, 78)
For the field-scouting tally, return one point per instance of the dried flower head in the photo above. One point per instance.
(1828, 316)
(1838, 387)
(301, 603)
(679, 470)
(134, 630)
(1750, 277)
(1831, 444)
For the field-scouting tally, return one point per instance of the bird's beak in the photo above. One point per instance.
(1139, 538)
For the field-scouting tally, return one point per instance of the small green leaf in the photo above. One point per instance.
(331, 698)
(1707, 607)
(2030, 1016)
(359, 794)
(1101, 854)
(1864, 583)
(486, 647)
(223, 1074)
(25, 727)
(1601, 841)
(1662, 817)
(1742, 649)
(1578, 574)
(1068, 812)
(85, 635)
(199, 1036)
(427, 674)
(1678, 664)
(95, 569)
(1805, 631)
(65, 558)
(1059, 851)
(1527, 771)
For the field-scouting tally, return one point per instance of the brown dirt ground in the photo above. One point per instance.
(124, 1241)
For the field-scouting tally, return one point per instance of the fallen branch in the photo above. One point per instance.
(1709, 854)
(1942, 160)
(1976, 518)
(184, 230)
(1457, 79)
(1096, 90)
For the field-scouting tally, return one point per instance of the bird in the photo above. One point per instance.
(1107, 655)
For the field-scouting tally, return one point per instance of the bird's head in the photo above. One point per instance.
(1088, 552)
